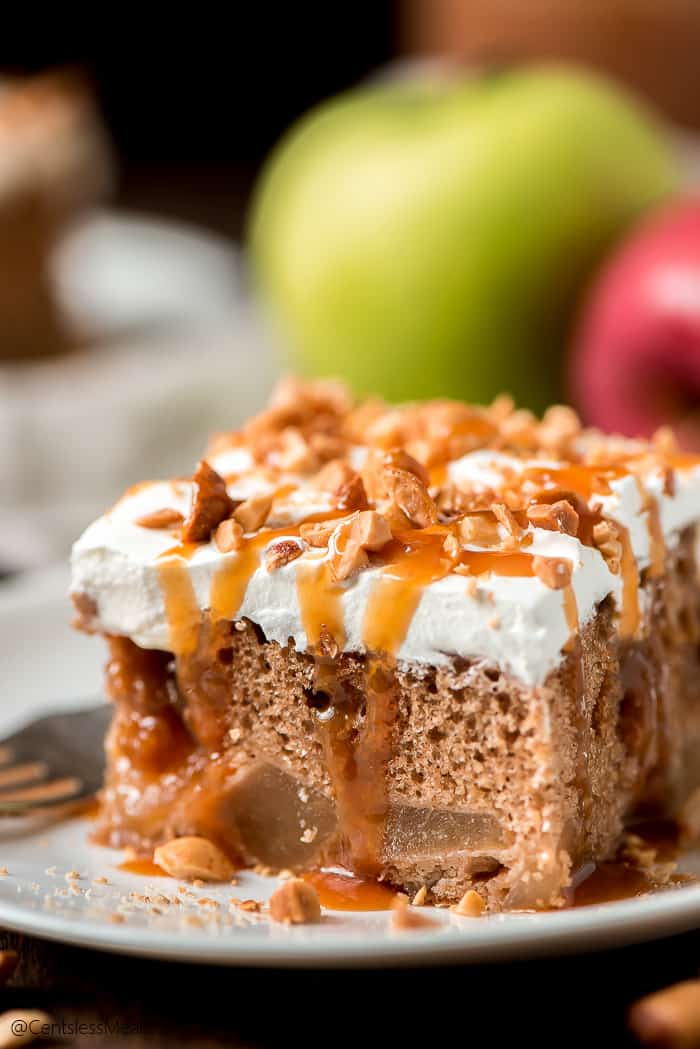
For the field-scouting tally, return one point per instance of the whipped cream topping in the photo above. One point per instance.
(514, 622)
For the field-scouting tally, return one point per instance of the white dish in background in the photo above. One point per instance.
(174, 351)
(44, 665)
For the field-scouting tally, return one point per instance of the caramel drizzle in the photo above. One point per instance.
(320, 603)
(182, 611)
(357, 749)
(629, 612)
(571, 612)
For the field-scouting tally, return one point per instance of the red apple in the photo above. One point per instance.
(635, 363)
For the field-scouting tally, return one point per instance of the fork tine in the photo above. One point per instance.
(27, 772)
(43, 793)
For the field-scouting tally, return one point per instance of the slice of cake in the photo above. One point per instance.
(437, 645)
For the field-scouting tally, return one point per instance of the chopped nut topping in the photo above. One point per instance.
(295, 902)
(478, 530)
(327, 447)
(421, 896)
(554, 572)
(607, 539)
(405, 919)
(194, 859)
(334, 475)
(164, 518)
(228, 536)
(411, 496)
(555, 517)
(365, 530)
(519, 430)
(665, 441)
(253, 512)
(327, 643)
(292, 452)
(501, 407)
(505, 517)
(559, 427)
(318, 533)
(669, 1019)
(210, 504)
(352, 495)
(281, 553)
(451, 546)
(470, 906)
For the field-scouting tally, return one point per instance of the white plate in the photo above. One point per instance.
(44, 665)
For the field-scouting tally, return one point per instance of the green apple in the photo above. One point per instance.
(429, 237)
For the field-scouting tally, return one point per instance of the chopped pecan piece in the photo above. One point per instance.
(451, 546)
(164, 518)
(210, 504)
(555, 517)
(410, 496)
(292, 452)
(253, 512)
(295, 903)
(501, 407)
(327, 643)
(317, 533)
(327, 446)
(352, 495)
(554, 572)
(479, 529)
(607, 539)
(560, 425)
(334, 475)
(505, 516)
(519, 430)
(403, 461)
(378, 484)
(280, 554)
(228, 536)
(365, 530)
(665, 441)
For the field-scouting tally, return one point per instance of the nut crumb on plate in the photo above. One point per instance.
(295, 902)
(194, 858)
(404, 918)
(470, 906)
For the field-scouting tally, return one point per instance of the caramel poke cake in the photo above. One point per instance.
(436, 645)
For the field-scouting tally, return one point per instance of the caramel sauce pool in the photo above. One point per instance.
(143, 866)
(347, 892)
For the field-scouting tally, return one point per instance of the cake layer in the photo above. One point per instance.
(147, 585)
(454, 777)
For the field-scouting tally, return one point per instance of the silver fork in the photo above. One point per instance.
(55, 760)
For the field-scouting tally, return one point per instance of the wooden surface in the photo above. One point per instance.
(572, 1001)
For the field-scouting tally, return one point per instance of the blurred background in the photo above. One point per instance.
(488, 195)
